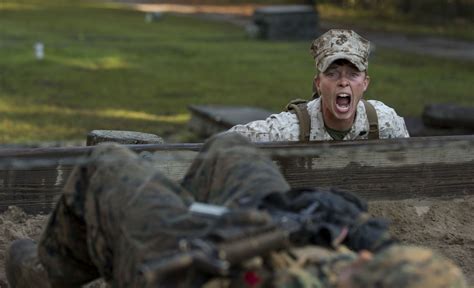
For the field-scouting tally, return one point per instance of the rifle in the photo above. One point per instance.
(215, 257)
(234, 244)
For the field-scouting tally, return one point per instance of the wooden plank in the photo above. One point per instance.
(34, 190)
(382, 169)
(123, 137)
(33, 178)
(386, 169)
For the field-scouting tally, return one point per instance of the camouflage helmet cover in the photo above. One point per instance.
(411, 267)
(340, 44)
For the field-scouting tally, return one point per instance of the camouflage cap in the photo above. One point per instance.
(411, 267)
(340, 44)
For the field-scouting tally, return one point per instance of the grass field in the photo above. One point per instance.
(106, 68)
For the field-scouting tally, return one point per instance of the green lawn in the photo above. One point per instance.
(106, 68)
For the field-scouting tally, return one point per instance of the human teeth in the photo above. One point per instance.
(343, 102)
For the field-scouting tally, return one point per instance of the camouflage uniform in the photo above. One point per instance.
(303, 267)
(118, 211)
(285, 126)
(333, 45)
(317, 267)
(409, 266)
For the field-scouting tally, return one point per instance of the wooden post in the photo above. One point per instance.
(122, 137)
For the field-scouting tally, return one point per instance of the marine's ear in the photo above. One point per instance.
(316, 82)
(366, 81)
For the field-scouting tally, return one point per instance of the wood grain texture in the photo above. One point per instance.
(379, 169)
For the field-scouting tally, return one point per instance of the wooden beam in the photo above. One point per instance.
(377, 169)
(386, 170)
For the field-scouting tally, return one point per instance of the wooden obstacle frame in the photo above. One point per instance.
(390, 169)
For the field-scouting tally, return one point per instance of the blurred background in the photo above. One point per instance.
(71, 66)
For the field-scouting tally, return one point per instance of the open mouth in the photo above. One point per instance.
(343, 102)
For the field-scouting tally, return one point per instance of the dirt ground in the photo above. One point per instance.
(443, 225)
(15, 224)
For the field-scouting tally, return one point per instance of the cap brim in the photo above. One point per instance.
(323, 65)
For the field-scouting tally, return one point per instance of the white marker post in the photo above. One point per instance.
(39, 50)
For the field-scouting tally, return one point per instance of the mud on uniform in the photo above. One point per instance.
(318, 267)
(118, 211)
(285, 126)
(309, 266)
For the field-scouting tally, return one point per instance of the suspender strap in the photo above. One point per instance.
(373, 120)
(300, 108)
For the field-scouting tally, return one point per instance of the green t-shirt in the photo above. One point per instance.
(336, 134)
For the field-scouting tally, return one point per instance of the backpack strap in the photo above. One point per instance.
(373, 120)
(300, 108)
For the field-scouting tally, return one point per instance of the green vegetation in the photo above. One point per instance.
(106, 68)
(390, 20)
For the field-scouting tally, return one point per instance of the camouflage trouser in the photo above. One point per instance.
(117, 211)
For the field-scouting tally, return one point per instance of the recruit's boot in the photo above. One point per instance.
(23, 267)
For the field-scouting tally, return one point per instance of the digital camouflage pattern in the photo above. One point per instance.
(317, 267)
(411, 267)
(302, 267)
(310, 266)
(285, 126)
(340, 44)
(119, 211)
(333, 45)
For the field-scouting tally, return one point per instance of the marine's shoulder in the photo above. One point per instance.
(313, 105)
(391, 125)
(281, 126)
(379, 104)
